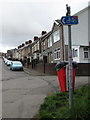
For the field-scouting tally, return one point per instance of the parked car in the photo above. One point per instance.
(16, 65)
(8, 62)
(5, 60)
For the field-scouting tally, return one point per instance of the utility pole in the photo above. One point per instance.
(70, 67)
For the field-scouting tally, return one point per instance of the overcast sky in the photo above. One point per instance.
(21, 20)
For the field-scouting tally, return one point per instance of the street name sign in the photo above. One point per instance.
(69, 20)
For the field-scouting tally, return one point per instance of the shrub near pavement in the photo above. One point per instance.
(56, 106)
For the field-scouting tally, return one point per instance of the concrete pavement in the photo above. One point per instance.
(79, 80)
(33, 72)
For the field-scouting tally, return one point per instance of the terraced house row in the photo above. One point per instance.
(52, 47)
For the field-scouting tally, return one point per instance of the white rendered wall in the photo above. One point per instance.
(80, 31)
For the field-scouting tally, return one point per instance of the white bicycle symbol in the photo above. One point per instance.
(71, 20)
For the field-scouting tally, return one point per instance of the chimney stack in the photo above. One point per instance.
(18, 47)
(23, 44)
(26, 42)
(30, 41)
(35, 38)
(44, 32)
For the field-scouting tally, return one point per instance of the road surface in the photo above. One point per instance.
(23, 94)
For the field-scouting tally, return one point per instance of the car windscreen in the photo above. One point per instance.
(17, 64)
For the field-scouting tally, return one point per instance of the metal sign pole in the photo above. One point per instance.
(70, 62)
(69, 20)
(70, 67)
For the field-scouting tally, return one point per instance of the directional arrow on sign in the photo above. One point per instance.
(63, 20)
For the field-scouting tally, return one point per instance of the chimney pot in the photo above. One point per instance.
(22, 44)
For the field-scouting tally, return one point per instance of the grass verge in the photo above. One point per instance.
(56, 106)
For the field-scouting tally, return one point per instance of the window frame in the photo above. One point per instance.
(75, 52)
(57, 54)
(86, 50)
(50, 41)
(56, 36)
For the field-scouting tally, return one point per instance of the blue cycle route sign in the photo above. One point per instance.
(69, 20)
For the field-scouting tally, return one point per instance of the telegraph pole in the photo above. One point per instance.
(70, 67)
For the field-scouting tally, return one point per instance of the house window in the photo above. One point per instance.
(57, 54)
(86, 52)
(56, 36)
(75, 53)
(38, 45)
(44, 45)
(33, 49)
(49, 42)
